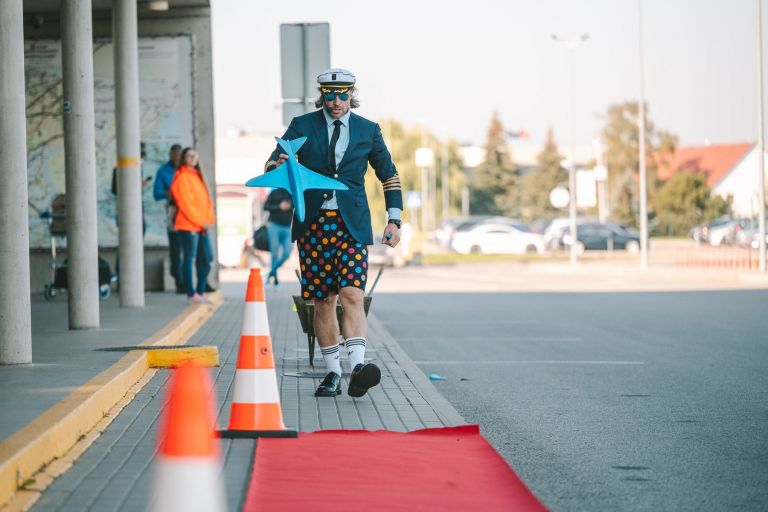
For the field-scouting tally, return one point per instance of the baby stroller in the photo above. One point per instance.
(56, 218)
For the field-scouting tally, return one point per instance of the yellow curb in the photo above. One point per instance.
(52, 434)
(29, 494)
(167, 357)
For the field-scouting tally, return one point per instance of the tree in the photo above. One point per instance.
(493, 184)
(684, 201)
(621, 137)
(539, 182)
(402, 143)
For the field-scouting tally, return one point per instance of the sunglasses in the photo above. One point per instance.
(329, 96)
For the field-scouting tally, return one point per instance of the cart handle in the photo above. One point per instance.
(376, 281)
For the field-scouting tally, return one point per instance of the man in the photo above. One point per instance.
(336, 231)
(161, 191)
(280, 208)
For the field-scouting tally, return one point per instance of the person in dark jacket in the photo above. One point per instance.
(333, 239)
(280, 208)
(162, 192)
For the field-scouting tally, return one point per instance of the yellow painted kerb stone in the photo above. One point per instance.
(170, 357)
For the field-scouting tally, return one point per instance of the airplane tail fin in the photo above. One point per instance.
(291, 146)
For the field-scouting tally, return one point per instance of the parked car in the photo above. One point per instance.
(497, 238)
(380, 254)
(748, 233)
(749, 237)
(553, 233)
(727, 232)
(449, 227)
(596, 236)
(701, 233)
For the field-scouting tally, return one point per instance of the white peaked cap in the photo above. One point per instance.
(336, 76)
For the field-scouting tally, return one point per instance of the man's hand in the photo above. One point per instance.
(282, 158)
(391, 235)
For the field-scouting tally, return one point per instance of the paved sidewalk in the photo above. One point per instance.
(114, 473)
(64, 360)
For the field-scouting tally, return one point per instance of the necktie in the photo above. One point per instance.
(334, 140)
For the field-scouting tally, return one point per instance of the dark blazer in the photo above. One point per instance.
(366, 145)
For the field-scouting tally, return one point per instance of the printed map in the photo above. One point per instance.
(165, 74)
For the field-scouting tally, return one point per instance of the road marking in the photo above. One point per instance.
(492, 338)
(534, 362)
(467, 322)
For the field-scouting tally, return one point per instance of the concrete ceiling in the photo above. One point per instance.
(53, 6)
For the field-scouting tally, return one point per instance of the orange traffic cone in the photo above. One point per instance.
(187, 467)
(256, 410)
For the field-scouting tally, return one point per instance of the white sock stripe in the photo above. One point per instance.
(356, 344)
(329, 350)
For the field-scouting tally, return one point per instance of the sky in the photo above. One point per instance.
(450, 65)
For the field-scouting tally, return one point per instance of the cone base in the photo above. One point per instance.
(245, 416)
(255, 434)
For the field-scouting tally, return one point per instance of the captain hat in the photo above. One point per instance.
(336, 77)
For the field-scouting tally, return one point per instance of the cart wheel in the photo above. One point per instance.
(50, 292)
(104, 291)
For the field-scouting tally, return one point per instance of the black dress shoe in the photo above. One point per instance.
(363, 378)
(209, 288)
(331, 385)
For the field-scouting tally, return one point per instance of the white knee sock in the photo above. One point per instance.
(356, 351)
(331, 356)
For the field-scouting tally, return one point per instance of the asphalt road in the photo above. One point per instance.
(606, 400)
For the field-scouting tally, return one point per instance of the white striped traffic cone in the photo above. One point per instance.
(187, 469)
(256, 410)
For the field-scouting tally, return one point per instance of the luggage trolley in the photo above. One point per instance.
(57, 228)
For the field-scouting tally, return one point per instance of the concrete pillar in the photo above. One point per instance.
(15, 316)
(129, 207)
(80, 164)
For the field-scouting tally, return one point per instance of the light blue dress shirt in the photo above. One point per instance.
(341, 148)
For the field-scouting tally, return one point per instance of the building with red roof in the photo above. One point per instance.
(731, 171)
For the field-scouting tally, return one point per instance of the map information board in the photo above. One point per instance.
(166, 112)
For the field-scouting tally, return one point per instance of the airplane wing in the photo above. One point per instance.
(274, 179)
(313, 180)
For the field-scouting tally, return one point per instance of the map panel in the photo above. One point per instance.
(165, 91)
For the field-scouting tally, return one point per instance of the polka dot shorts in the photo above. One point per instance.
(330, 258)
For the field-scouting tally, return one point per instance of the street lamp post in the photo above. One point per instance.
(571, 44)
(601, 176)
(760, 137)
(425, 159)
(641, 157)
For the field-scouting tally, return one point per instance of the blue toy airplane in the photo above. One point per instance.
(294, 177)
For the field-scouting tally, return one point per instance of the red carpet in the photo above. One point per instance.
(434, 469)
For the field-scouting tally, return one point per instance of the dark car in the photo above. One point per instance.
(595, 236)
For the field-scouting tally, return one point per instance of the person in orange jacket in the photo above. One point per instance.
(194, 218)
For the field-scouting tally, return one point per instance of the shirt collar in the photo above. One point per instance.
(329, 120)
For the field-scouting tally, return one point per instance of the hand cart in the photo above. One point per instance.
(306, 311)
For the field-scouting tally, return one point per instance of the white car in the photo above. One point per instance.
(497, 239)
